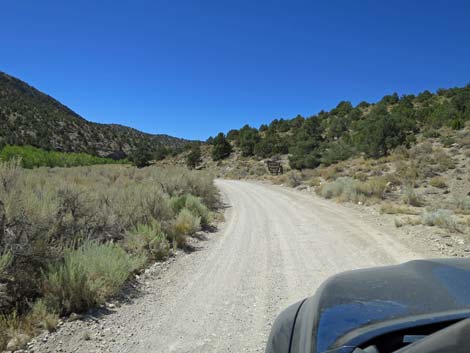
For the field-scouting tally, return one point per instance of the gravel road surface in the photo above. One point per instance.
(275, 247)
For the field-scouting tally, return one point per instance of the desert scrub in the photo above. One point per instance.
(5, 260)
(461, 204)
(438, 182)
(348, 189)
(148, 240)
(47, 213)
(193, 204)
(294, 178)
(410, 198)
(389, 208)
(87, 276)
(186, 223)
(440, 218)
(12, 327)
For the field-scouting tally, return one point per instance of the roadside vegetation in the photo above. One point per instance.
(71, 237)
(32, 157)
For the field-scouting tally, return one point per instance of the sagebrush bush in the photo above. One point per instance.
(389, 208)
(294, 178)
(186, 223)
(348, 189)
(461, 203)
(193, 204)
(440, 218)
(148, 240)
(410, 198)
(438, 182)
(88, 275)
(49, 210)
(198, 209)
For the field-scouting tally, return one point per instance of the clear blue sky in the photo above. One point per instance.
(193, 68)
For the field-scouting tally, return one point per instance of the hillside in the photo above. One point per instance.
(403, 160)
(370, 129)
(30, 117)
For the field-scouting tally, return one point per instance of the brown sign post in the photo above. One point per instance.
(275, 168)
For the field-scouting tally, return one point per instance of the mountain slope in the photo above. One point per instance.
(30, 117)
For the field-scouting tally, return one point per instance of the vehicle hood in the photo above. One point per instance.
(352, 307)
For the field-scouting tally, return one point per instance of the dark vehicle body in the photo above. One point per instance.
(387, 309)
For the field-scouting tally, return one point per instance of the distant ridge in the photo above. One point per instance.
(31, 117)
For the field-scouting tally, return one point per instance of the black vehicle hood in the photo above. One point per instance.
(351, 307)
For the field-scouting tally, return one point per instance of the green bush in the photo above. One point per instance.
(148, 240)
(187, 223)
(41, 317)
(198, 209)
(193, 204)
(32, 157)
(88, 275)
(221, 148)
(194, 156)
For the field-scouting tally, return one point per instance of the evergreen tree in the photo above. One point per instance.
(221, 147)
(194, 156)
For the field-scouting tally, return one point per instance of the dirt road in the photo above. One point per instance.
(276, 246)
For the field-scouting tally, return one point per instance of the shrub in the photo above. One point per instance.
(410, 198)
(186, 223)
(194, 156)
(12, 327)
(294, 178)
(32, 157)
(389, 208)
(440, 218)
(88, 275)
(461, 203)
(42, 317)
(443, 160)
(5, 260)
(348, 189)
(198, 209)
(438, 182)
(221, 147)
(148, 240)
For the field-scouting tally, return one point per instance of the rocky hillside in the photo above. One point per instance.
(30, 117)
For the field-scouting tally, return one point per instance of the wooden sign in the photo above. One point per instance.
(275, 168)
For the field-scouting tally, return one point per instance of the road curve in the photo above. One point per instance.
(277, 245)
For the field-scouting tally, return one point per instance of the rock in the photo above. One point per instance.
(18, 342)
(302, 187)
(75, 317)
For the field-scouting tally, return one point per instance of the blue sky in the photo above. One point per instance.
(194, 68)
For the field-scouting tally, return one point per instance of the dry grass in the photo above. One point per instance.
(60, 224)
(438, 182)
(390, 208)
(348, 189)
(411, 198)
